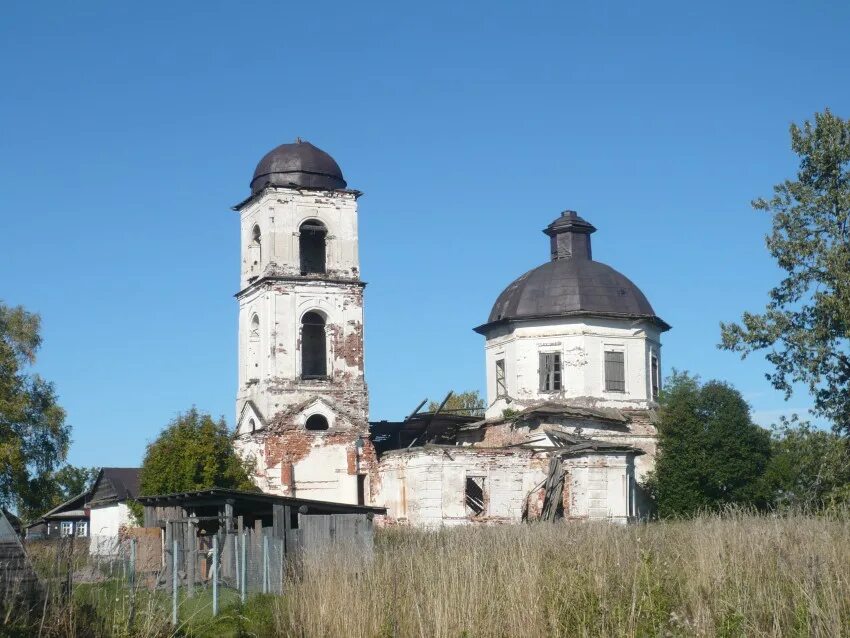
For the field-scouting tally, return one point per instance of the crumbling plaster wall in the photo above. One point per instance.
(289, 459)
(639, 432)
(425, 487)
(582, 343)
(279, 213)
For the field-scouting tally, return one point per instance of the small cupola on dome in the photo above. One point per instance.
(570, 236)
(299, 165)
(571, 283)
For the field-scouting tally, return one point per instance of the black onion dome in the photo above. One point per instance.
(571, 284)
(301, 165)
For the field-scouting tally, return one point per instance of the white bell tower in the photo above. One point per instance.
(302, 402)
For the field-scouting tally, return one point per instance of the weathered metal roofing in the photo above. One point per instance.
(572, 284)
(300, 164)
(215, 495)
(124, 482)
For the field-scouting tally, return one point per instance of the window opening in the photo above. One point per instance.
(311, 243)
(501, 386)
(615, 371)
(313, 347)
(316, 422)
(255, 248)
(474, 495)
(550, 371)
(66, 528)
(252, 425)
(361, 489)
(654, 377)
(81, 528)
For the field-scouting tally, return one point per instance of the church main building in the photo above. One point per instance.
(572, 352)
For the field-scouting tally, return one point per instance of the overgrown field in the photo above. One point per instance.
(732, 575)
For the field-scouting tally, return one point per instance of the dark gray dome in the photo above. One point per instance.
(571, 284)
(300, 164)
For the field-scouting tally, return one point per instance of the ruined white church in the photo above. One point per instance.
(572, 353)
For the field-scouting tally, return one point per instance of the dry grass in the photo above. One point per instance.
(736, 575)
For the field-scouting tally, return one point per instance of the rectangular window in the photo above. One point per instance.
(655, 378)
(81, 528)
(615, 371)
(361, 489)
(474, 495)
(66, 528)
(550, 371)
(501, 386)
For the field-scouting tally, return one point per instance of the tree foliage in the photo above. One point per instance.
(193, 452)
(467, 403)
(710, 453)
(806, 324)
(809, 468)
(34, 437)
(57, 487)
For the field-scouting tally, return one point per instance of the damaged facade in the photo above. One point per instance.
(572, 353)
(302, 404)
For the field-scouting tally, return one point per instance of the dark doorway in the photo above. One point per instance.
(361, 489)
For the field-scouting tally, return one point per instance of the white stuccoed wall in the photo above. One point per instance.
(105, 522)
(582, 343)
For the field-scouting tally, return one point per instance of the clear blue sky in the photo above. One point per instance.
(129, 129)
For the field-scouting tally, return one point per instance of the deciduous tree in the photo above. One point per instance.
(710, 453)
(805, 327)
(467, 403)
(193, 452)
(34, 437)
(809, 468)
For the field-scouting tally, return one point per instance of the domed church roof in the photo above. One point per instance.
(301, 165)
(571, 284)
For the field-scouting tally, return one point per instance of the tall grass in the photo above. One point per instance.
(735, 575)
(730, 575)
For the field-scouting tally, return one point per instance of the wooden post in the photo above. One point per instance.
(215, 575)
(174, 584)
(168, 563)
(191, 559)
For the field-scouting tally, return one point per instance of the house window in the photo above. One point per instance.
(311, 244)
(474, 495)
(654, 376)
(313, 347)
(501, 386)
(316, 422)
(550, 371)
(66, 528)
(615, 371)
(82, 528)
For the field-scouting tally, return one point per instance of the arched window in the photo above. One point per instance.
(253, 425)
(313, 346)
(311, 243)
(316, 422)
(255, 250)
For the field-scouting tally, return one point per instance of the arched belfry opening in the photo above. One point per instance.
(312, 246)
(255, 250)
(313, 346)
